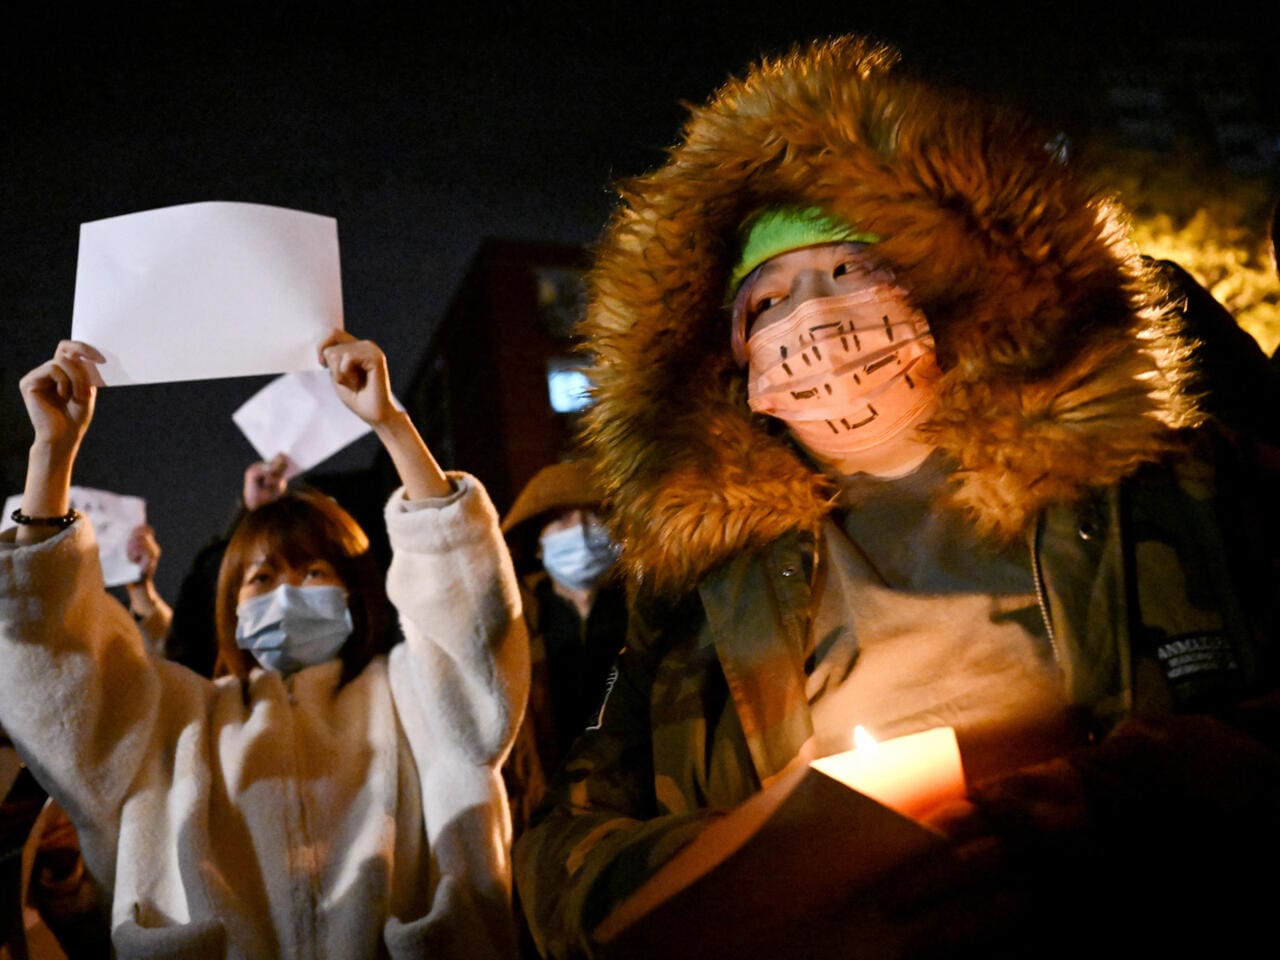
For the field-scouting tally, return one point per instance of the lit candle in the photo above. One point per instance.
(913, 774)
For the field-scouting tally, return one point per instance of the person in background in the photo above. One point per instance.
(329, 794)
(149, 609)
(896, 429)
(575, 609)
(576, 613)
(264, 481)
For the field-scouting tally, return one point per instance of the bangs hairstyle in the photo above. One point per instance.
(299, 527)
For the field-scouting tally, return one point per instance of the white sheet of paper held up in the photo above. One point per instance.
(113, 516)
(299, 415)
(207, 290)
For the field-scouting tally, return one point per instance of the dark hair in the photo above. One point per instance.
(301, 526)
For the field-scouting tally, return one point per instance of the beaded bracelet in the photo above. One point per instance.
(62, 522)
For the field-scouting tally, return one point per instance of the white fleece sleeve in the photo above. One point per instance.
(466, 647)
(460, 682)
(78, 694)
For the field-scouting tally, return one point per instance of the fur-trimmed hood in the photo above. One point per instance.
(1061, 370)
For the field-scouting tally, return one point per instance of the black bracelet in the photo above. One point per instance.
(62, 522)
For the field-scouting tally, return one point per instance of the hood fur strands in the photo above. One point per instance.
(1061, 370)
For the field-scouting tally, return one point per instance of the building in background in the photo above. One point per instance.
(498, 389)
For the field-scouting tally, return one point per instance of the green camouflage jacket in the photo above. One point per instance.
(1147, 604)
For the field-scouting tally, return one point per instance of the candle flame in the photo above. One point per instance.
(862, 738)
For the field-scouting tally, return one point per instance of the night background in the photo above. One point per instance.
(425, 133)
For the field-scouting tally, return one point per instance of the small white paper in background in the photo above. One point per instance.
(207, 290)
(113, 516)
(301, 416)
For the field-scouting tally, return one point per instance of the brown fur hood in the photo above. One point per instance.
(1061, 370)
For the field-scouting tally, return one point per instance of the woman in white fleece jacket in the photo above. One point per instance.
(339, 809)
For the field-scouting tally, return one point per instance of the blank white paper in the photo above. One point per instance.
(207, 290)
(301, 416)
(113, 516)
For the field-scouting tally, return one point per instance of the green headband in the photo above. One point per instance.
(782, 229)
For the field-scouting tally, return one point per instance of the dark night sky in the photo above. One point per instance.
(422, 134)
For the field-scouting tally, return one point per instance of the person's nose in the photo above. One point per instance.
(812, 285)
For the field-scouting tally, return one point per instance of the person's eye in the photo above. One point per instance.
(762, 304)
(843, 268)
(318, 572)
(258, 577)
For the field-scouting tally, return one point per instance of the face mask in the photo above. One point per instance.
(578, 556)
(294, 627)
(848, 375)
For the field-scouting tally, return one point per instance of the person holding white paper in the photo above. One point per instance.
(327, 797)
(897, 429)
(149, 609)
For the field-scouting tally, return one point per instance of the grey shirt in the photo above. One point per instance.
(918, 623)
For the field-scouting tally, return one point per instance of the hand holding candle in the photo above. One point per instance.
(913, 774)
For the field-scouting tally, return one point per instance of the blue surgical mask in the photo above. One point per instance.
(578, 556)
(294, 627)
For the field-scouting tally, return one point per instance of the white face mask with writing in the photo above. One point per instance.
(294, 627)
(851, 376)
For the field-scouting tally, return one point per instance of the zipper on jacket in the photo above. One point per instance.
(1037, 575)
